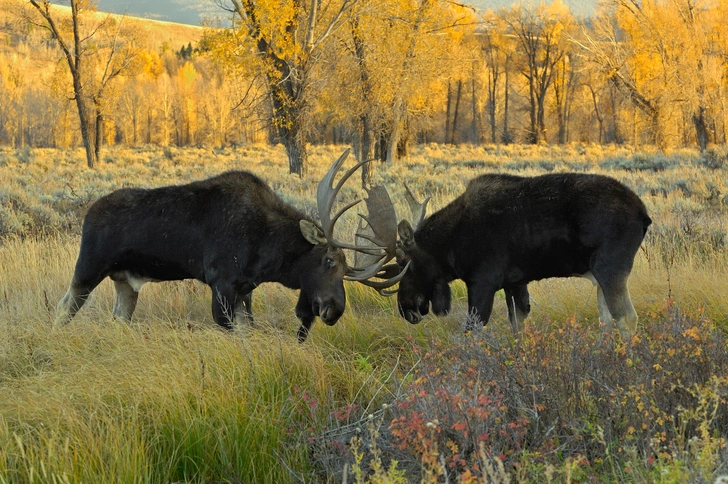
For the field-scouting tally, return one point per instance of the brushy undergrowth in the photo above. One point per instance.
(170, 398)
(559, 405)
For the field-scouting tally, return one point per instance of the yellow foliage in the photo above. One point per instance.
(187, 75)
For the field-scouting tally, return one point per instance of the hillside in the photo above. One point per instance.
(14, 39)
(194, 12)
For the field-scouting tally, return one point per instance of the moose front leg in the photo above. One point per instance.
(480, 304)
(223, 305)
(519, 306)
(304, 312)
(244, 304)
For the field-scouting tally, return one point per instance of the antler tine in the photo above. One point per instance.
(326, 196)
(381, 220)
(417, 209)
(382, 286)
(380, 232)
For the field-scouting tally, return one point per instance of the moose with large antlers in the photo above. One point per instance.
(231, 232)
(506, 231)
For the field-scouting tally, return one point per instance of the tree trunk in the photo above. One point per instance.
(701, 130)
(295, 145)
(597, 112)
(506, 136)
(366, 150)
(380, 147)
(447, 112)
(86, 130)
(492, 102)
(393, 143)
(99, 131)
(474, 128)
(403, 144)
(455, 112)
(533, 132)
(540, 117)
(288, 118)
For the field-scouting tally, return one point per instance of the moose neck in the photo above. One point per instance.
(435, 236)
(281, 261)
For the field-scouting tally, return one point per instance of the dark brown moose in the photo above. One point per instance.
(506, 231)
(231, 232)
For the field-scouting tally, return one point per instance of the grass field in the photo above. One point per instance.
(170, 398)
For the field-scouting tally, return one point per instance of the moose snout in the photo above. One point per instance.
(414, 311)
(413, 317)
(328, 311)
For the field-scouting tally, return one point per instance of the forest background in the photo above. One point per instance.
(380, 75)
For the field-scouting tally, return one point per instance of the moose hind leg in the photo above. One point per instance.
(126, 300)
(611, 268)
(72, 301)
(621, 308)
(618, 303)
(605, 316)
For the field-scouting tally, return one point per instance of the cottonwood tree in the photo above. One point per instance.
(666, 57)
(497, 50)
(694, 28)
(13, 82)
(287, 38)
(364, 26)
(96, 54)
(426, 47)
(541, 34)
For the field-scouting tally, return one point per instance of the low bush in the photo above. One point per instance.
(559, 404)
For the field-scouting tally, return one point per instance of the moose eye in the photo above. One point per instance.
(329, 263)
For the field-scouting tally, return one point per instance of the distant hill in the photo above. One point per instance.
(194, 12)
(580, 8)
(39, 58)
(157, 30)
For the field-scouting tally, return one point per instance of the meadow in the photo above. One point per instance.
(171, 398)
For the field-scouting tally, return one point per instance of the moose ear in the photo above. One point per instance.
(406, 234)
(312, 233)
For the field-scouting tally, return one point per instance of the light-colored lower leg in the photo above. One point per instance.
(621, 308)
(605, 316)
(243, 309)
(69, 305)
(516, 317)
(627, 322)
(126, 300)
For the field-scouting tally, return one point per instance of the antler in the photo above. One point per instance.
(326, 196)
(377, 241)
(417, 209)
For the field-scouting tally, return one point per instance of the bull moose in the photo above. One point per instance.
(231, 232)
(505, 231)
